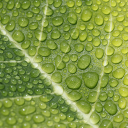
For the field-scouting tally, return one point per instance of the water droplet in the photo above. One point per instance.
(65, 47)
(109, 26)
(10, 26)
(55, 34)
(72, 68)
(72, 18)
(119, 73)
(90, 79)
(83, 36)
(122, 103)
(57, 3)
(116, 58)
(49, 11)
(110, 107)
(38, 118)
(48, 67)
(74, 95)
(25, 4)
(57, 21)
(73, 57)
(5, 19)
(95, 118)
(99, 19)
(92, 97)
(70, 3)
(99, 107)
(41, 36)
(33, 25)
(7, 103)
(106, 123)
(32, 50)
(84, 61)
(120, 18)
(106, 9)
(123, 91)
(96, 41)
(19, 101)
(18, 36)
(62, 9)
(25, 44)
(43, 51)
(117, 42)
(86, 15)
(59, 63)
(73, 82)
(103, 96)
(26, 110)
(99, 53)
(56, 77)
(84, 106)
(11, 120)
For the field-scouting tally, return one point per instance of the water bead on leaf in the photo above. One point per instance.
(72, 68)
(38, 118)
(57, 21)
(65, 47)
(18, 36)
(99, 53)
(84, 61)
(25, 111)
(59, 63)
(25, 4)
(43, 51)
(51, 44)
(57, 3)
(95, 118)
(86, 15)
(122, 103)
(79, 47)
(84, 106)
(92, 96)
(48, 67)
(74, 95)
(33, 25)
(11, 120)
(117, 42)
(23, 22)
(119, 73)
(41, 36)
(123, 91)
(90, 79)
(5, 19)
(11, 25)
(56, 77)
(99, 19)
(72, 18)
(110, 107)
(116, 58)
(109, 26)
(106, 123)
(55, 34)
(73, 82)
(32, 50)
(49, 11)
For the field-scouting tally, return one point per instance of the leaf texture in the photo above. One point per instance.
(63, 64)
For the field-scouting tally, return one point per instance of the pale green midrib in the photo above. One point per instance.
(104, 64)
(58, 90)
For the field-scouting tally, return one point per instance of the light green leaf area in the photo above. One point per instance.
(63, 63)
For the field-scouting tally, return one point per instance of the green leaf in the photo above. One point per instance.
(63, 63)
